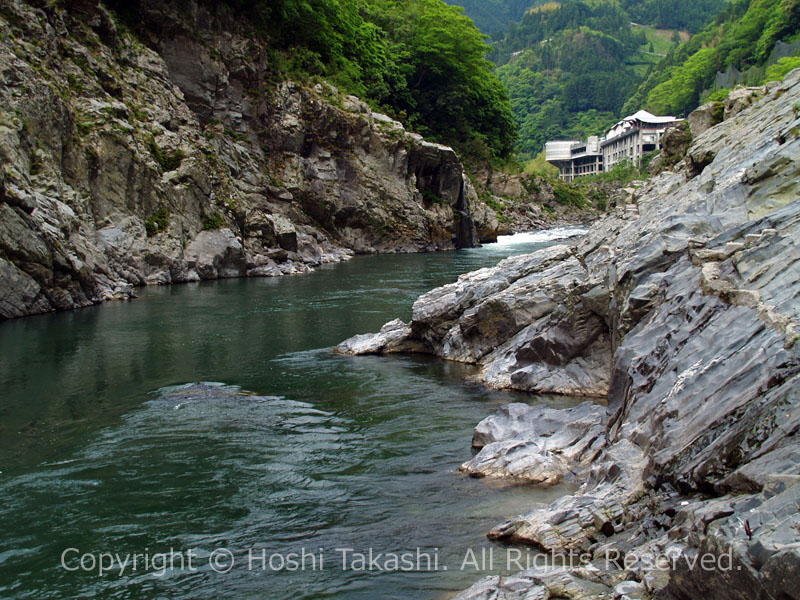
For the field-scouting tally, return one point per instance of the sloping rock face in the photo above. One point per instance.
(695, 287)
(537, 444)
(167, 155)
(524, 320)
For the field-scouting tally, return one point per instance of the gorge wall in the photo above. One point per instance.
(168, 156)
(682, 309)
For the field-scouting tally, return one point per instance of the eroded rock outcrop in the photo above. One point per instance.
(167, 155)
(692, 289)
(536, 443)
(525, 321)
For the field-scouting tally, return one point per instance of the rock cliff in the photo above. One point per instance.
(167, 154)
(682, 309)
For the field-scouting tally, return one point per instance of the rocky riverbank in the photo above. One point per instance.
(166, 155)
(682, 310)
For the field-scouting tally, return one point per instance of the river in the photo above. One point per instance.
(108, 444)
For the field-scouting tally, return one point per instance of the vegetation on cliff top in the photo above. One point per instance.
(421, 61)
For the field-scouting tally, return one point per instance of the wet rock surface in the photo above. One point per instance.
(683, 308)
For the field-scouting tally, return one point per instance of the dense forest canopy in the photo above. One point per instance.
(673, 14)
(493, 17)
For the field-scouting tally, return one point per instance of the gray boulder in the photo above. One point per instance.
(536, 443)
(705, 117)
(216, 254)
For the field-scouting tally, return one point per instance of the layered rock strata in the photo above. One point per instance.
(683, 310)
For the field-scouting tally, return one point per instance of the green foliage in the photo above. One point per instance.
(742, 36)
(493, 17)
(719, 95)
(137, 113)
(446, 90)
(647, 158)
(682, 90)
(432, 197)
(167, 160)
(568, 195)
(690, 15)
(539, 166)
(35, 165)
(780, 69)
(542, 27)
(494, 204)
(211, 221)
(157, 222)
(236, 135)
(83, 128)
(623, 172)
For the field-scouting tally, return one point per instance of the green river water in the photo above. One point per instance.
(109, 445)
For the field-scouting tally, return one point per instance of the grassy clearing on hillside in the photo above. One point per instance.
(658, 44)
(539, 166)
(662, 39)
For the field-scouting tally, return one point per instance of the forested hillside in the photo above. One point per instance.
(672, 14)
(421, 61)
(493, 17)
(572, 77)
(571, 66)
(743, 38)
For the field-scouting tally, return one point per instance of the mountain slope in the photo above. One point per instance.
(567, 70)
(493, 17)
(743, 37)
(570, 66)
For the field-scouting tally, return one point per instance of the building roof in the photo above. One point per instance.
(647, 117)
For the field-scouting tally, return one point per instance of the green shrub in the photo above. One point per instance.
(211, 222)
(780, 69)
(647, 158)
(236, 135)
(36, 164)
(496, 206)
(157, 222)
(719, 95)
(432, 197)
(167, 160)
(568, 195)
(719, 112)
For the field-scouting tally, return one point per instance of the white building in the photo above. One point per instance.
(574, 159)
(628, 140)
